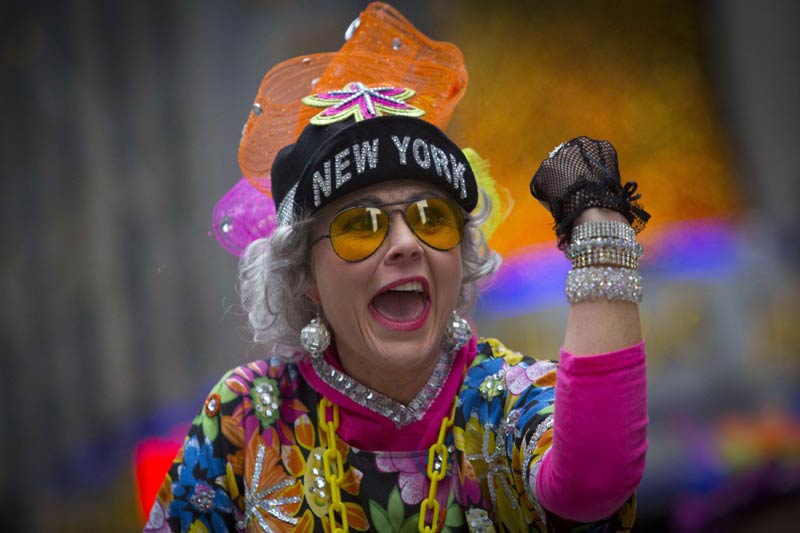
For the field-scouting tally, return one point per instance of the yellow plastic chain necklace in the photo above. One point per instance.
(436, 470)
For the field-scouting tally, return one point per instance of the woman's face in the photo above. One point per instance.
(389, 310)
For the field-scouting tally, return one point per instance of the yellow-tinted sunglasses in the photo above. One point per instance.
(357, 232)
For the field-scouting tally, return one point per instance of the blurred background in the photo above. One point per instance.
(120, 127)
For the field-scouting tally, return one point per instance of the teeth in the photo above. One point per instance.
(411, 286)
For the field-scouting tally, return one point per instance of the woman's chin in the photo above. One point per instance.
(408, 351)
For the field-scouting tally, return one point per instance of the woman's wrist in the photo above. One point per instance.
(605, 259)
(600, 213)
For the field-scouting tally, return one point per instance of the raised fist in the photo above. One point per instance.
(583, 173)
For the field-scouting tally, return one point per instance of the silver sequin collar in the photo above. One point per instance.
(400, 414)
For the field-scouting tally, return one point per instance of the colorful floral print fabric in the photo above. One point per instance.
(252, 460)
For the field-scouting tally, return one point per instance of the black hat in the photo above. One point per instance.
(329, 161)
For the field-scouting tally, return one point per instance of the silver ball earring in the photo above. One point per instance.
(457, 333)
(315, 337)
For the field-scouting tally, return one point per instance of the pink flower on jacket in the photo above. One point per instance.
(413, 480)
(520, 377)
(246, 381)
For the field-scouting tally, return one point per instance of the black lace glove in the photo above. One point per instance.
(583, 173)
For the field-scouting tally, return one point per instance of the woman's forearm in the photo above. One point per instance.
(601, 326)
(600, 423)
(599, 435)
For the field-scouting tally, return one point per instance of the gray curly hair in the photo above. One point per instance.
(275, 272)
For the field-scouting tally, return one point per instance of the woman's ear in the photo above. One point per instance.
(312, 293)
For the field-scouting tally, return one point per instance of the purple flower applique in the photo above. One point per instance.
(520, 377)
(413, 480)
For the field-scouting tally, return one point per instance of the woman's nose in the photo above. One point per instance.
(403, 244)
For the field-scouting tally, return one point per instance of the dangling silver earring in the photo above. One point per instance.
(456, 333)
(315, 337)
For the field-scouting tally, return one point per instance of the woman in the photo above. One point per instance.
(380, 410)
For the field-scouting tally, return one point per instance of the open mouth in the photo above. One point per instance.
(403, 305)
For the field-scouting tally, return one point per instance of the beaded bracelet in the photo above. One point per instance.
(576, 247)
(605, 257)
(603, 228)
(606, 251)
(606, 283)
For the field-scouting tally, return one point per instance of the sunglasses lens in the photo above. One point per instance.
(357, 232)
(437, 222)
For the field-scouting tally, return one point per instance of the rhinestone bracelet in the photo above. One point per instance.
(605, 257)
(604, 251)
(604, 283)
(578, 246)
(603, 228)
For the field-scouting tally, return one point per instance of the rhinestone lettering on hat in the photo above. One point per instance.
(458, 176)
(340, 164)
(322, 183)
(402, 147)
(440, 163)
(421, 153)
(283, 214)
(333, 173)
(366, 153)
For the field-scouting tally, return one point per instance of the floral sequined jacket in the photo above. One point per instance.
(252, 460)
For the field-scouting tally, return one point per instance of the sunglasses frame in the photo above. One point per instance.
(408, 203)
